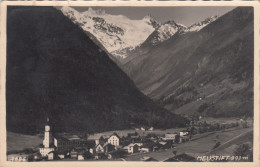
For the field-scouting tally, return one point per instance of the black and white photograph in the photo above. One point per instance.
(102, 83)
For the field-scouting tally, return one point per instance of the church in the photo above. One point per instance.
(57, 143)
(48, 145)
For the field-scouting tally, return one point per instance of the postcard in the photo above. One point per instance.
(129, 83)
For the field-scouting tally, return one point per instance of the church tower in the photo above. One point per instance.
(48, 138)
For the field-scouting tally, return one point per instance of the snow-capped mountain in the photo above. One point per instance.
(170, 28)
(200, 25)
(166, 31)
(120, 35)
(114, 32)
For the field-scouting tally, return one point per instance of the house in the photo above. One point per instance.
(62, 143)
(81, 156)
(184, 133)
(163, 142)
(114, 139)
(74, 154)
(99, 148)
(104, 148)
(170, 136)
(150, 129)
(51, 155)
(142, 128)
(61, 154)
(139, 144)
(133, 148)
(67, 142)
(91, 151)
(145, 149)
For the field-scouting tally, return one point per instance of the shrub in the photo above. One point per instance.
(217, 145)
(202, 107)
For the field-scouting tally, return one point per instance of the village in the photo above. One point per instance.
(143, 140)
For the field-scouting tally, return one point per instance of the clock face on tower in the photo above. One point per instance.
(47, 128)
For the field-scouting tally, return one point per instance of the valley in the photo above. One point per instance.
(113, 87)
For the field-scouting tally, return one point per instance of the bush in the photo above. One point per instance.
(217, 145)
(202, 107)
(242, 150)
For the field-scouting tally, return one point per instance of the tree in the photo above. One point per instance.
(202, 107)
(242, 150)
(87, 155)
(192, 132)
(177, 139)
(174, 153)
(216, 145)
(217, 136)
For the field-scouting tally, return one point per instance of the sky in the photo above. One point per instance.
(183, 15)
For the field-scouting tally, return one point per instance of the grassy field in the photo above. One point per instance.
(141, 133)
(201, 144)
(18, 142)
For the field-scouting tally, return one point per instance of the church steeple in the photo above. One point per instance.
(48, 139)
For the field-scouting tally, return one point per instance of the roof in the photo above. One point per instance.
(115, 134)
(132, 144)
(99, 145)
(125, 147)
(58, 137)
(51, 152)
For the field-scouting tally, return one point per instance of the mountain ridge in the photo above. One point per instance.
(55, 70)
(188, 70)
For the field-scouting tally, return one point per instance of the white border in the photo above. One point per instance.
(4, 4)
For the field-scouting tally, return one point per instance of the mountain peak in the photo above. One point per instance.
(148, 16)
(198, 26)
(172, 22)
(92, 12)
(151, 21)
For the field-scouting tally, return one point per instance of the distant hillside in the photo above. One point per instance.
(206, 72)
(54, 69)
(19, 142)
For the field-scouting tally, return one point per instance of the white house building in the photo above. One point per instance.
(100, 148)
(114, 139)
(184, 133)
(47, 141)
(133, 148)
(170, 136)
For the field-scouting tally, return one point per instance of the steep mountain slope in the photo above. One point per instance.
(115, 32)
(54, 69)
(205, 72)
(162, 33)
